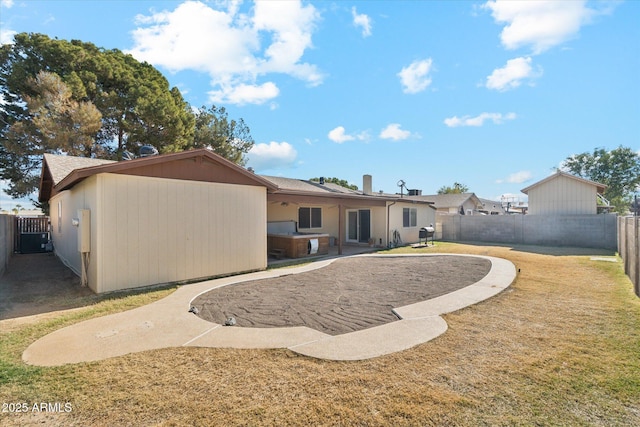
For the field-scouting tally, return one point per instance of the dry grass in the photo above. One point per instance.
(560, 347)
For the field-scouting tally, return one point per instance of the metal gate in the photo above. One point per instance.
(32, 235)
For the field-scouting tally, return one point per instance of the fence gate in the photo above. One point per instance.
(32, 234)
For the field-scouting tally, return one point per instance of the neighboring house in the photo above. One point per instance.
(460, 203)
(154, 220)
(491, 207)
(564, 194)
(348, 216)
(194, 215)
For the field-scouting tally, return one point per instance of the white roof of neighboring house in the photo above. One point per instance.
(599, 187)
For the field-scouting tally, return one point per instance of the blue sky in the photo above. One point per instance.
(491, 94)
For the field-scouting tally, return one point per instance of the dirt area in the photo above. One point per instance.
(40, 283)
(348, 295)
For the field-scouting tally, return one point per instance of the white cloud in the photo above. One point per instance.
(517, 178)
(244, 94)
(496, 118)
(338, 135)
(539, 24)
(393, 131)
(6, 36)
(272, 155)
(363, 21)
(512, 74)
(228, 45)
(415, 77)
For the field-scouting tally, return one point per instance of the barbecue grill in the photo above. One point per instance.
(427, 233)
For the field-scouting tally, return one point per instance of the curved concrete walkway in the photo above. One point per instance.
(168, 323)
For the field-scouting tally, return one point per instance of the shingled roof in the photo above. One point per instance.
(56, 167)
(310, 186)
(63, 172)
(442, 201)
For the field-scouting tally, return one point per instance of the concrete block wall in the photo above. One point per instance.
(590, 231)
(629, 248)
(7, 229)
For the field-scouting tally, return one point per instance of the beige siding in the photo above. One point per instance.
(277, 212)
(562, 196)
(64, 235)
(155, 230)
(425, 216)
(379, 224)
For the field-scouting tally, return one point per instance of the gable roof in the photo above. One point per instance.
(599, 187)
(442, 201)
(60, 173)
(491, 205)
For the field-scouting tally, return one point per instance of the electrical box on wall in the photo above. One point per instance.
(84, 230)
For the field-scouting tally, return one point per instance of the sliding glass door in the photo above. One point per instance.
(359, 225)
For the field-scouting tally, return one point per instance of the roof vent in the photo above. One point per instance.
(128, 155)
(322, 180)
(148, 150)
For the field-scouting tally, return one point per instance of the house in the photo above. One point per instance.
(154, 220)
(564, 194)
(458, 203)
(348, 216)
(491, 207)
(194, 215)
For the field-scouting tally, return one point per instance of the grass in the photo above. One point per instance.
(561, 346)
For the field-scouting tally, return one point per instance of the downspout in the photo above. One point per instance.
(340, 227)
(388, 221)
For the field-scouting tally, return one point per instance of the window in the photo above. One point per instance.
(310, 218)
(409, 217)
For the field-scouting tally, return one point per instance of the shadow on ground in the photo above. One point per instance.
(549, 250)
(40, 283)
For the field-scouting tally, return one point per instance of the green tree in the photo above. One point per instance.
(229, 138)
(456, 189)
(618, 169)
(53, 123)
(338, 181)
(134, 99)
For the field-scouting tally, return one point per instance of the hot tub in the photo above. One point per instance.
(283, 238)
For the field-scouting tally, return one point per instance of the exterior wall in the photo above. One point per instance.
(63, 209)
(425, 216)
(277, 212)
(563, 196)
(590, 231)
(7, 236)
(378, 224)
(629, 248)
(155, 230)
(147, 231)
